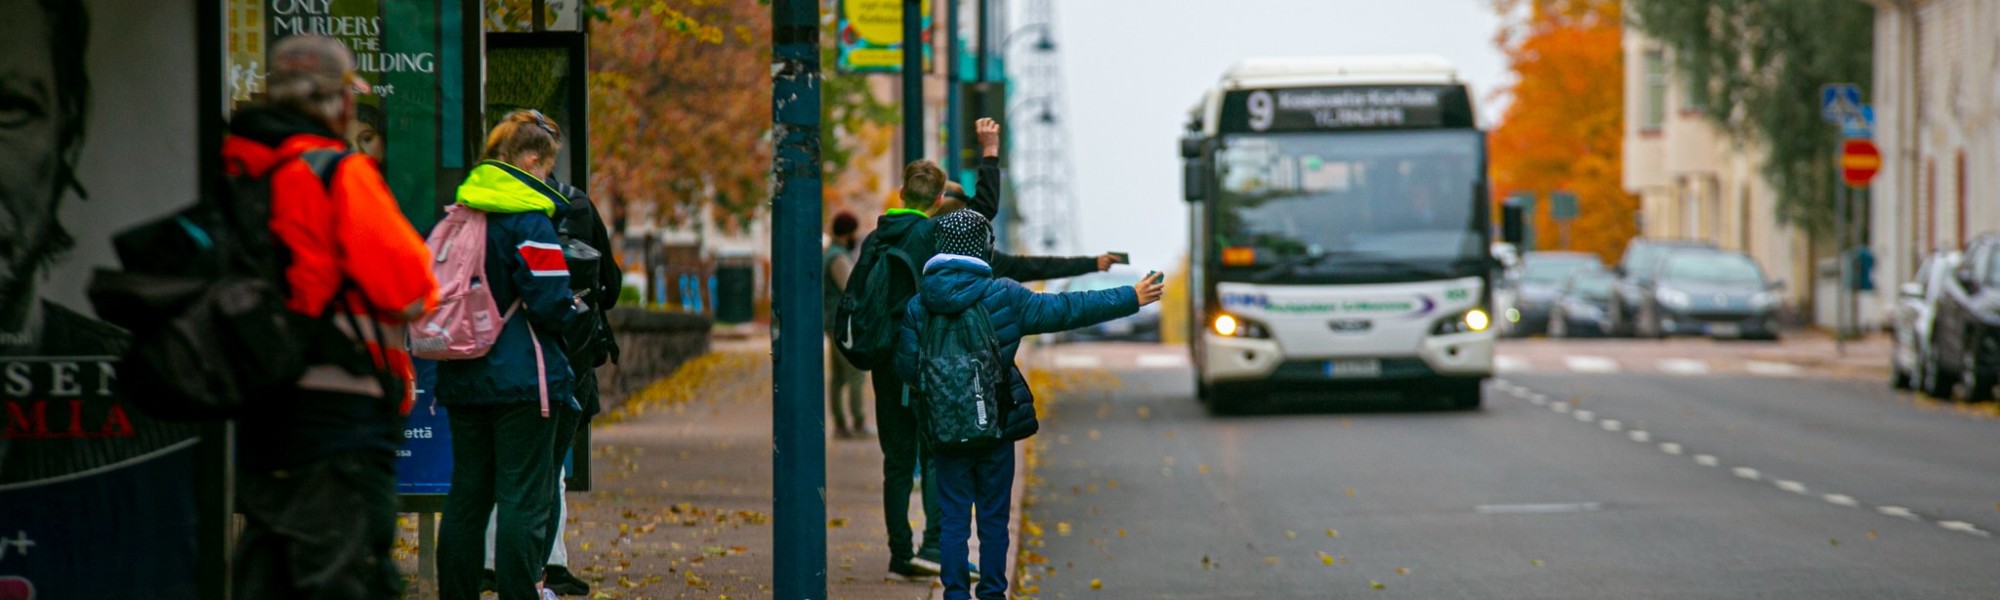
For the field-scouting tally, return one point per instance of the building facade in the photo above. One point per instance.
(1937, 111)
(1697, 181)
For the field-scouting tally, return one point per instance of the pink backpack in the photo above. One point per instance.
(467, 321)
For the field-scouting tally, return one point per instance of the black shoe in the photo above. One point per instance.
(903, 571)
(558, 579)
(488, 582)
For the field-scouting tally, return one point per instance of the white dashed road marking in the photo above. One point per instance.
(1162, 361)
(1511, 364)
(1539, 399)
(1963, 527)
(1841, 500)
(1706, 460)
(1611, 425)
(1591, 364)
(1746, 473)
(1791, 486)
(1683, 366)
(1670, 448)
(1771, 369)
(1898, 512)
(1585, 416)
(1641, 437)
(1078, 361)
(1561, 407)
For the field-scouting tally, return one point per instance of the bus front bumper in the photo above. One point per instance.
(1232, 360)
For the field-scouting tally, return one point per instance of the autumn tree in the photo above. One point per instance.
(1755, 68)
(1564, 127)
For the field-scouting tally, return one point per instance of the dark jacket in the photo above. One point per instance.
(952, 284)
(912, 231)
(523, 262)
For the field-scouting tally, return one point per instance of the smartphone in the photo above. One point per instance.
(1123, 258)
(1157, 277)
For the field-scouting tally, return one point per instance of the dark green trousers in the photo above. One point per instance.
(502, 456)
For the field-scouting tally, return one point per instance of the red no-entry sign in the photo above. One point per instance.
(1859, 160)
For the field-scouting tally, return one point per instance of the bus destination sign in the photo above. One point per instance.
(1345, 108)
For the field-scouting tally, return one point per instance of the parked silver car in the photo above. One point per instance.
(1914, 314)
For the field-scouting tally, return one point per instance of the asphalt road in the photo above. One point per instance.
(1641, 485)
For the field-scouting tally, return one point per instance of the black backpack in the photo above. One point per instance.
(869, 319)
(960, 381)
(203, 294)
(587, 342)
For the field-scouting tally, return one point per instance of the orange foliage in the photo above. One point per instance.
(680, 103)
(1564, 129)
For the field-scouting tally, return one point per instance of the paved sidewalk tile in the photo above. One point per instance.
(682, 501)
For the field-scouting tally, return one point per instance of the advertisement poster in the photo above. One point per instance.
(98, 127)
(871, 36)
(401, 49)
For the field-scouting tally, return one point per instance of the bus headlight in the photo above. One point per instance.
(1233, 326)
(1471, 321)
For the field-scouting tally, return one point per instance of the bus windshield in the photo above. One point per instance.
(1355, 207)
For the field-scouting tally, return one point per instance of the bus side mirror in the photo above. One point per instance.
(1191, 146)
(1194, 180)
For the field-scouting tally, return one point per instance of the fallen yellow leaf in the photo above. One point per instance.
(1112, 484)
(1272, 560)
(1145, 412)
(1332, 534)
(1350, 492)
(1201, 468)
(1291, 535)
(1375, 585)
(1871, 534)
(1096, 584)
(836, 522)
(1538, 562)
(1325, 559)
(1062, 528)
(1834, 543)
(1402, 570)
(1121, 533)
(1032, 528)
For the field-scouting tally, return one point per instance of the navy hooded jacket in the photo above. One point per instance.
(953, 283)
(523, 262)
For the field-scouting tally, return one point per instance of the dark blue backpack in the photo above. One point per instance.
(960, 380)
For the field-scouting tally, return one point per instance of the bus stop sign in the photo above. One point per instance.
(1859, 160)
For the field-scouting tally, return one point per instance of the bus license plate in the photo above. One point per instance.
(1347, 369)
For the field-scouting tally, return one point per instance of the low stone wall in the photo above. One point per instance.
(652, 344)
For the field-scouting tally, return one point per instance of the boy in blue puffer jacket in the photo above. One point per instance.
(955, 281)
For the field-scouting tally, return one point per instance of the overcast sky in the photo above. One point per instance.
(1134, 67)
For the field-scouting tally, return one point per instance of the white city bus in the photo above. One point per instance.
(1339, 230)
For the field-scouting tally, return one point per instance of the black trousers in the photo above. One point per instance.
(567, 421)
(501, 456)
(902, 453)
(319, 531)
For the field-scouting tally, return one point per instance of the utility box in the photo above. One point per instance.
(735, 292)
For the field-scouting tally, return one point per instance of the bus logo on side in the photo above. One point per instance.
(1243, 300)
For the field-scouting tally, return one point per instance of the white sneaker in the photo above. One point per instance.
(927, 565)
(549, 594)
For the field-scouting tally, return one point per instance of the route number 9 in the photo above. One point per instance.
(1262, 111)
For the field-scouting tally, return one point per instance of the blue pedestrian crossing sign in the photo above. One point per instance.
(1859, 126)
(1839, 101)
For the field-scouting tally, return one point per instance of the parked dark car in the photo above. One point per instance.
(1965, 340)
(1635, 274)
(1583, 310)
(1540, 285)
(1141, 327)
(1913, 317)
(1708, 292)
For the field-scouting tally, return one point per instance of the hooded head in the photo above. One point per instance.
(965, 233)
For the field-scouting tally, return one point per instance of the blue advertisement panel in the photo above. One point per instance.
(423, 464)
(124, 530)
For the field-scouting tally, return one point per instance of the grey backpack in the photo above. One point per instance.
(961, 380)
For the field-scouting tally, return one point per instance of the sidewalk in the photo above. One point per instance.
(681, 505)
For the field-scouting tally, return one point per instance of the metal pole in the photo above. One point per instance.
(913, 80)
(1840, 256)
(954, 148)
(798, 449)
(985, 32)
